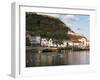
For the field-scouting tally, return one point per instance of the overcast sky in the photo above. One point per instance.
(78, 23)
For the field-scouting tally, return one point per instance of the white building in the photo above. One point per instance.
(78, 40)
(44, 42)
(50, 43)
(47, 43)
(35, 39)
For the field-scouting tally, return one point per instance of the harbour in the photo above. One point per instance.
(64, 57)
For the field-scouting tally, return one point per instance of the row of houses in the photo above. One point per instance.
(75, 39)
(79, 40)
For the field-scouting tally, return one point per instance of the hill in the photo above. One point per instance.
(46, 26)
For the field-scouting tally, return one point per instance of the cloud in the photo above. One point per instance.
(65, 18)
(69, 19)
(72, 18)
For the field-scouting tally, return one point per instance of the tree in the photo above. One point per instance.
(27, 42)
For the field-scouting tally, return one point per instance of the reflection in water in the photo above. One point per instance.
(79, 57)
(54, 58)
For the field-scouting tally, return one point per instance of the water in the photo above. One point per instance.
(57, 58)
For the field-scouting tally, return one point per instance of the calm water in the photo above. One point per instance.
(56, 58)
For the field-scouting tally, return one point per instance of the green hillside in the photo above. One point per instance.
(46, 26)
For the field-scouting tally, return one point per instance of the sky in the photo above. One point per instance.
(78, 23)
